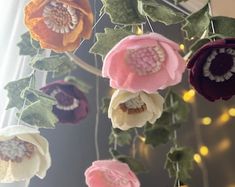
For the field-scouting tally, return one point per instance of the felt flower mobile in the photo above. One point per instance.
(110, 173)
(59, 24)
(212, 69)
(146, 62)
(23, 154)
(128, 110)
(71, 104)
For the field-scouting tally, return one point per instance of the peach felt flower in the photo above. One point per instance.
(23, 154)
(146, 62)
(128, 110)
(59, 24)
(110, 173)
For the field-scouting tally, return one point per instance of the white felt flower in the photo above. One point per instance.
(23, 154)
(128, 110)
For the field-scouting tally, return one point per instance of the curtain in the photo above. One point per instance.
(12, 66)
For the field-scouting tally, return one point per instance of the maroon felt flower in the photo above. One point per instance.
(71, 104)
(212, 69)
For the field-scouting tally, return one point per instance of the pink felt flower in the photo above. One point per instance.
(146, 62)
(110, 173)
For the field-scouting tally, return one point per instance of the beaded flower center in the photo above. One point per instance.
(133, 106)
(220, 65)
(146, 60)
(114, 179)
(59, 17)
(64, 101)
(15, 150)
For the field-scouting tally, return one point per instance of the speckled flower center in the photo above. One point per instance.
(59, 17)
(15, 150)
(220, 65)
(146, 60)
(114, 179)
(64, 101)
(133, 106)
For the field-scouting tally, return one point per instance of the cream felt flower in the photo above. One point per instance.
(128, 110)
(23, 154)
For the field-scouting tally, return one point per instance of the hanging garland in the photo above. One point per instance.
(141, 66)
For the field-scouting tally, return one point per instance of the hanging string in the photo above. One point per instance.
(97, 93)
(199, 143)
(102, 15)
(25, 99)
(149, 23)
(175, 143)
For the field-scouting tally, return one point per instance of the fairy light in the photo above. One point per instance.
(139, 31)
(224, 118)
(224, 145)
(204, 151)
(142, 138)
(231, 112)
(206, 121)
(182, 47)
(197, 158)
(189, 96)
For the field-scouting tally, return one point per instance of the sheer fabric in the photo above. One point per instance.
(12, 66)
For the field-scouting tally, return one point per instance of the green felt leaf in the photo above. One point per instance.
(14, 90)
(157, 135)
(28, 46)
(224, 26)
(66, 67)
(39, 114)
(33, 95)
(46, 63)
(183, 157)
(157, 11)
(123, 11)
(198, 44)
(176, 105)
(82, 85)
(105, 104)
(122, 137)
(135, 165)
(107, 40)
(197, 23)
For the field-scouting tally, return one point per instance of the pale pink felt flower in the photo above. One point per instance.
(110, 173)
(146, 62)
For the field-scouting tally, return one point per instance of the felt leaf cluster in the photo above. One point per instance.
(179, 162)
(161, 131)
(121, 137)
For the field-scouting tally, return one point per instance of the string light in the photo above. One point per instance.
(231, 112)
(142, 138)
(224, 118)
(182, 47)
(204, 151)
(189, 96)
(197, 158)
(224, 145)
(206, 121)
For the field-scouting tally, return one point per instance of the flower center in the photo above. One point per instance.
(220, 65)
(64, 101)
(15, 150)
(146, 60)
(114, 178)
(59, 17)
(133, 106)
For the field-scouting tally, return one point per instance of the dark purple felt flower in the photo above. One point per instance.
(71, 104)
(212, 69)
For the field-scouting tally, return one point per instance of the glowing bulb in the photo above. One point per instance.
(142, 138)
(224, 118)
(224, 145)
(182, 47)
(197, 158)
(189, 96)
(206, 121)
(204, 150)
(231, 112)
